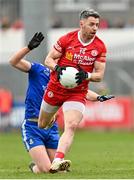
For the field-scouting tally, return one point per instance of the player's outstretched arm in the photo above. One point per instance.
(93, 96)
(17, 60)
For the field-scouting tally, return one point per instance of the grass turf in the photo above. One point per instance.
(93, 154)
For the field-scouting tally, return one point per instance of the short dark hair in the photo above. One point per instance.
(89, 12)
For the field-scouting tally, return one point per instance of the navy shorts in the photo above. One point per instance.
(34, 136)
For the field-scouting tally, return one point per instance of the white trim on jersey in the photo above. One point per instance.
(84, 44)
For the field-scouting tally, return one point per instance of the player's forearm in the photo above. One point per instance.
(16, 58)
(95, 77)
(50, 63)
(92, 96)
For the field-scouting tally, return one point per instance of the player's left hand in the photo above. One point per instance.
(36, 40)
(59, 70)
(105, 97)
(81, 75)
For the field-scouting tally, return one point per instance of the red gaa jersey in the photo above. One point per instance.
(74, 53)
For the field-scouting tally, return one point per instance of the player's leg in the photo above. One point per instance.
(51, 146)
(69, 129)
(34, 139)
(51, 153)
(41, 159)
(45, 155)
(73, 114)
(52, 140)
(47, 112)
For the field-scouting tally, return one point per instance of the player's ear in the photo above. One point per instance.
(81, 23)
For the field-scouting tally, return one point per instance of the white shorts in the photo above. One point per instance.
(73, 105)
(48, 108)
(68, 105)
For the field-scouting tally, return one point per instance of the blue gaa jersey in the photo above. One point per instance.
(33, 135)
(37, 83)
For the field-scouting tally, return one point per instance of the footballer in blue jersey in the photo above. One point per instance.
(40, 143)
(38, 77)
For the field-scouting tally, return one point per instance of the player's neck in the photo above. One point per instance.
(84, 38)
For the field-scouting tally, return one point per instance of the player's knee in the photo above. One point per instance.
(72, 126)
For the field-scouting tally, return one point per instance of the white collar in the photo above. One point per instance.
(84, 44)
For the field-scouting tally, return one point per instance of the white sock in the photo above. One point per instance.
(58, 159)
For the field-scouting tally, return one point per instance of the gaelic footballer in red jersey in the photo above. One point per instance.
(83, 50)
(75, 52)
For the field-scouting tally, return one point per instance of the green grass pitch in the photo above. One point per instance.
(93, 154)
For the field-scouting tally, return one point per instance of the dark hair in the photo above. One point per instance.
(89, 12)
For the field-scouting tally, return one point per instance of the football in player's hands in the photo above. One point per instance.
(67, 78)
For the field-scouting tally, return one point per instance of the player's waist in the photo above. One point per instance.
(59, 89)
(32, 121)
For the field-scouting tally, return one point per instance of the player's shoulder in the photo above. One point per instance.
(99, 41)
(37, 66)
(46, 70)
(43, 67)
(72, 33)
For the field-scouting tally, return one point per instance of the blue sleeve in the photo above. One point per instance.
(34, 67)
(37, 67)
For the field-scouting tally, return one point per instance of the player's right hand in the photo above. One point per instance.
(105, 97)
(59, 70)
(36, 40)
(81, 75)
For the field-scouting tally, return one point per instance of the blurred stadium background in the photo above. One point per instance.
(19, 20)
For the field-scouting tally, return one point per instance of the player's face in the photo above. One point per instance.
(89, 27)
